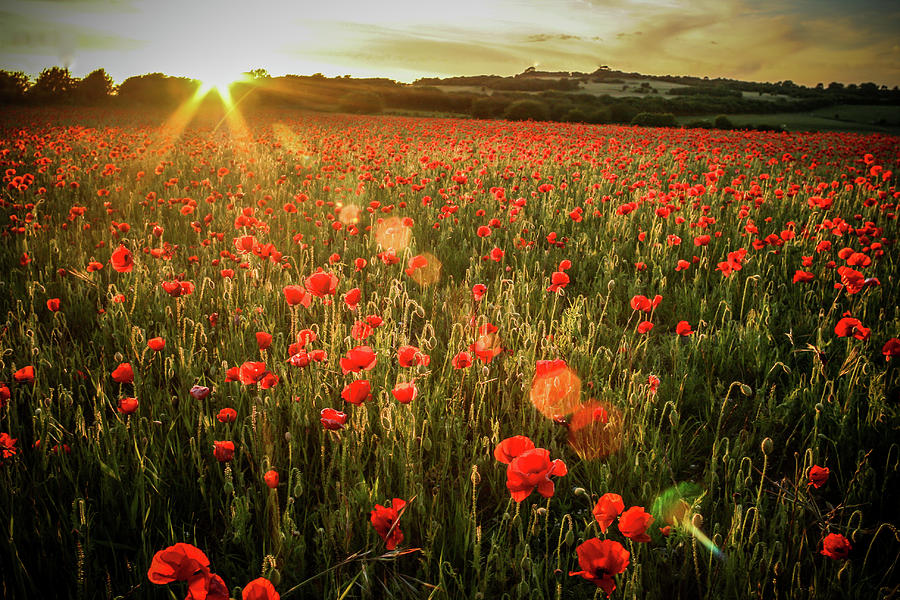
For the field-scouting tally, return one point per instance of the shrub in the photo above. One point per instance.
(723, 122)
(524, 110)
(654, 120)
(361, 103)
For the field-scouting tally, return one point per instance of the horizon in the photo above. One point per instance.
(405, 41)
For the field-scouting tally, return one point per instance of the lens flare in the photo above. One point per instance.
(595, 430)
(349, 214)
(555, 389)
(674, 507)
(392, 233)
(429, 273)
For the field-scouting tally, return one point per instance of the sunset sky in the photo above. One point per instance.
(807, 41)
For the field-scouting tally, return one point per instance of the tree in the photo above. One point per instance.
(258, 74)
(53, 85)
(94, 88)
(723, 122)
(13, 86)
(523, 110)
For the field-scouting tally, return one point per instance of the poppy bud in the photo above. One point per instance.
(697, 521)
(570, 538)
(580, 491)
(271, 479)
(767, 446)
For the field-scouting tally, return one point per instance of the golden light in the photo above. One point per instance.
(219, 81)
(555, 389)
(595, 430)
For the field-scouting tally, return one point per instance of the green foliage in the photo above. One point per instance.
(524, 110)
(723, 122)
(362, 103)
(654, 120)
(95, 88)
(13, 86)
(52, 86)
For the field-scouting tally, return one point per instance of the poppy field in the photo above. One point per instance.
(328, 356)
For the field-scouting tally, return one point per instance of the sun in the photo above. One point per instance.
(220, 82)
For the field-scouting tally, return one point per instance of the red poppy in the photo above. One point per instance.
(156, 344)
(332, 419)
(361, 330)
(891, 349)
(127, 406)
(271, 479)
(532, 469)
(818, 476)
(227, 415)
(5, 395)
(7, 446)
(850, 327)
(803, 276)
(94, 266)
(123, 373)
(683, 328)
(223, 451)
(462, 360)
(416, 262)
(641, 303)
(360, 358)
(608, 507)
(176, 288)
(245, 244)
(601, 561)
(483, 231)
(294, 295)
(653, 381)
(351, 298)
(263, 340)
(53, 304)
(644, 327)
(410, 356)
(122, 260)
(252, 372)
(558, 281)
(384, 519)
(633, 524)
(512, 447)
(184, 562)
(24, 375)
(478, 291)
(357, 392)
(321, 284)
(359, 264)
(485, 348)
(836, 547)
(260, 589)
(405, 392)
(269, 380)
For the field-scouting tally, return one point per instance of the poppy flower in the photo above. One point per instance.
(850, 327)
(357, 392)
(462, 360)
(7, 446)
(260, 589)
(818, 476)
(227, 415)
(405, 392)
(263, 340)
(180, 562)
(332, 419)
(5, 395)
(384, 519)
(803, 276)
(269, 380)
(123, 373)
(478, 291)
(683, 328)
(232, 374)
(294, 295)
(359, 264)
(199, 392)
(223, 451)
(416, 262)
(360, 358)
(252, 372)
(608, 507)
(271, 479)
(351, 298)
(53, 304)
(836, 547)
(156, 344)
(644, 327)
(891, 349)
(122, 260)
(321, 284)
(127, 406)
(633, 524)
(558, 281)
(24, 375)
(601, 561)
(653, 382)
(410, 356)
(532, 469)
(483, 231)
(361, 330)
(94, 266)
(512, 447)
(485, 348)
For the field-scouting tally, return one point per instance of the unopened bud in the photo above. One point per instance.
(767, 446)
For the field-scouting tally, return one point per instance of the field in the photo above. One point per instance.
(849, 118)
(388, 357)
